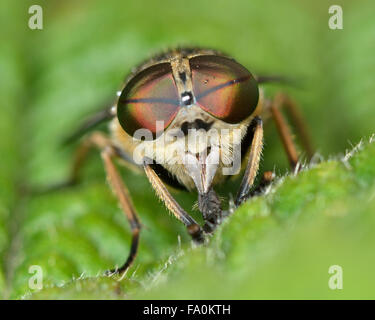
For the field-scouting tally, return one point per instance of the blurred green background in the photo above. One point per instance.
(51, 78)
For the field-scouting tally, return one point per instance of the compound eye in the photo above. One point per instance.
(224, 88)
(149, 97)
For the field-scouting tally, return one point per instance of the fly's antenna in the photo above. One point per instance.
(90, 123)
(292, 81)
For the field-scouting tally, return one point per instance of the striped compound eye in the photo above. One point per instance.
(224, 88)
(149, 97)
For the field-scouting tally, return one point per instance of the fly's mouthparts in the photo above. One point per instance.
(202, 167)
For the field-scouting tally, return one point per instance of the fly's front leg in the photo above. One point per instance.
(162, 192)
(253, 161)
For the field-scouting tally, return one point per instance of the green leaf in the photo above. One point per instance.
(275, 246)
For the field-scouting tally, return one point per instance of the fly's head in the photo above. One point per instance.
(189, 112)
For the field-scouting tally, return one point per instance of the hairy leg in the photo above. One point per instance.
(253, 161)
(162, 192)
